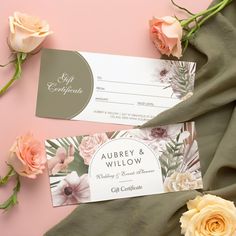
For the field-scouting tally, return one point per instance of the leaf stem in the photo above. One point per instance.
(12, 200)
(8, 63)
(181, 8)
(5, 179)
(194, 17)
(204, 19)
(205, 16)
(20, 58)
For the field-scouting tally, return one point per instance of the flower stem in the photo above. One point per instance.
(4, 65)
(224, 4)
(205, 15)
(194, 17)
(5, 179)
(20, 58)
(12, 200)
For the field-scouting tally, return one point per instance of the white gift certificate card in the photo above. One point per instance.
(110, 88)
(122, 164)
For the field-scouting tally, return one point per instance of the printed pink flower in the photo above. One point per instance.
(71, 190)
(27, 156)
(159, 133)
(90, 144)
(157, 137)
(61, 160)
(166, 34)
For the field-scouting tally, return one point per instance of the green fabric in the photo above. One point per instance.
(212, 107)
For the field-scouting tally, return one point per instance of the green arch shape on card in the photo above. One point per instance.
(65, 86)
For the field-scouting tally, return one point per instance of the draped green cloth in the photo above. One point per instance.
(212, 107)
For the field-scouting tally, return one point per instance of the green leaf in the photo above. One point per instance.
(164, 172)
(50, 154)
(52, 144)
(23, 56)
(174, 167)
(5, 179)
(163, 162)
(78, 165)
(62, 143)
(75, 141)
(65, 142)
(79, 138)
(55, 183)
(12, 200)
(51, 149)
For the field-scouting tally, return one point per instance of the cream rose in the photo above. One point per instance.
(209, 215)
(89, 145)
(182, 181)
(26, 32)
(166, 34)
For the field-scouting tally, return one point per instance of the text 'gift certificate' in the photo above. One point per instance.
(110, 88)
(123, 164)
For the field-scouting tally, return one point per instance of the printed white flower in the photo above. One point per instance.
(71, 190)
(182, 181)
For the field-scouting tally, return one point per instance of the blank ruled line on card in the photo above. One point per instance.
(124, 181)
(123, 82)
(122, 103)
(136, 94)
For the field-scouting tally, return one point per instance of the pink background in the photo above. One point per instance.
(117, 27)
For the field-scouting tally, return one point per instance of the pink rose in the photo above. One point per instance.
(166, 34)
(90, 144)
(27, 156)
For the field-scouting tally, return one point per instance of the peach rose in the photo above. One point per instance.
(182, 181)
(26, 32)
(209, 215)
(166, 34)
(90, 144)
(27, 156)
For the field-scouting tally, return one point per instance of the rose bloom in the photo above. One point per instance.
(182, 181)
(209, 215)
(90, 144)
(26, 32)
(27, 156)
(166, 34)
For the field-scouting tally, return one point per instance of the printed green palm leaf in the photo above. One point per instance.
(182, 80)
(78, 163)
(50, 154)
(79, 139)
(52, 144)
(171, 158)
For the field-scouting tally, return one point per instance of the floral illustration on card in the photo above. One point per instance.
(177, 151)
(177, 75)
(174, 146)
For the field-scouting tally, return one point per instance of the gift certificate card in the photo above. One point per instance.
(122, 164)
(110, 88)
